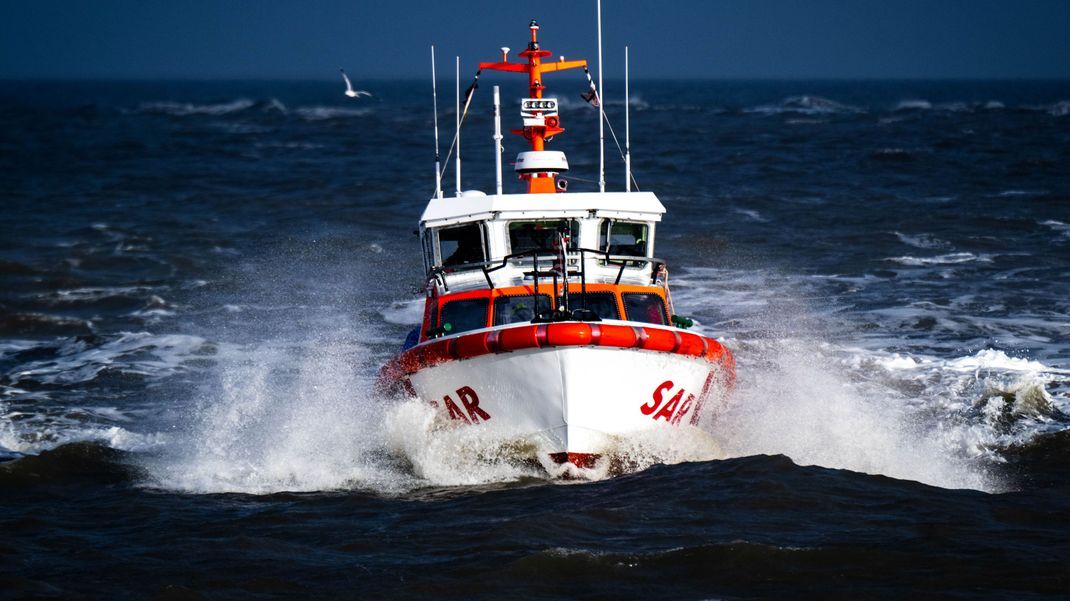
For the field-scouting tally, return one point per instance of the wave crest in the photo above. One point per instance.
(805, 105)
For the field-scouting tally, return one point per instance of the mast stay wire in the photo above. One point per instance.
(594, 97)
(469, 93)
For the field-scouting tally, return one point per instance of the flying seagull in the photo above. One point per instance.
(349, 87)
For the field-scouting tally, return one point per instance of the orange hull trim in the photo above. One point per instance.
(560, 334)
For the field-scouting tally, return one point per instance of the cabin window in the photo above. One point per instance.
(647, 308)
(624, 237)
(525, 236)
(516, 309)
(604, 304)
(461, 245)
(428, 242)
(465, 315)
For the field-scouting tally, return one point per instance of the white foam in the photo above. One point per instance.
(806, 105)
(900, 414)
(948, 259)
(800, 403)
(405, 313)
(98, 293)
(898, 362)
(913, 105)
(275, 106)
(182, 109)
(998, 360)
(45, 437)
(752, 215)
(444, 455)
(139, 353)
(1058, 226)
(282, 417)
(1059, 109)
(322, 113)
(926, 241)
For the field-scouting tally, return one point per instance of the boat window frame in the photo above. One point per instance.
(663, 305)
(427, 241)
(494, 306)
(575, 231)
(607, 222)
(613, 296)
(437, 245)
(442, 304)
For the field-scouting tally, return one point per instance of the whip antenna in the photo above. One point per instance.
(627, 129)
(457, 114)
(601, 111)
(497, 142)
(434, 96)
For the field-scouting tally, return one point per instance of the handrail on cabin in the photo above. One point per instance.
(438, 273)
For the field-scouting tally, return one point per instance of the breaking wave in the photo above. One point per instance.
(83, 359)
(805, 105)
(323, 113)
(925, 241)
(948, 259)
(945, 421)
(245, 105)
(183, 109)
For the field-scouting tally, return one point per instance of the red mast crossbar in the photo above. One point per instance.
(535, 69)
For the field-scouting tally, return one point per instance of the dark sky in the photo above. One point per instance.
(668, 38)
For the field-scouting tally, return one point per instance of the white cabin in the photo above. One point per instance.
(464, 234)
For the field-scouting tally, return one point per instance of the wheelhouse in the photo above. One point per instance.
(497, 260)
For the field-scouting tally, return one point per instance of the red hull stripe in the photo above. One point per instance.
(563, 334)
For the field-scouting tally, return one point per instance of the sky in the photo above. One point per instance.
(750, 39)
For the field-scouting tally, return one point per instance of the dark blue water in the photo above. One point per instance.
(198, 282)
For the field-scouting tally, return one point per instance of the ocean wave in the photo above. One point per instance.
(274, 105)
(1017, 193)
(998, 360)
(912, 105)
(322, 113)
(1059, 109)
(404, 313)
(948, 259)
(93, 460)
(95, 293)
(805, 105)
(42, 324)
(1058, 226)
(927, 241)
(183, 109)
(752, 215)
(82, 359)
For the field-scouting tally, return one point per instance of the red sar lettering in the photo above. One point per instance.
(673, 410)
(470, 400)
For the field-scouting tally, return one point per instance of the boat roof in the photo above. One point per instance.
(476, 206)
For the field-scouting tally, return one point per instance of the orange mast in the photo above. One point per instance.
(538, 182)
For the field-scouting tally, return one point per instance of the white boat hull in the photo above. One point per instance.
(574, 400)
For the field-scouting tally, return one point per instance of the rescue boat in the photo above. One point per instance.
(546, 313)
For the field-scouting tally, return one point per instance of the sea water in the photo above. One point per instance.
(199, 282)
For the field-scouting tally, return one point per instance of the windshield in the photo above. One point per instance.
(539, 235)
(461, 245)
(623, 238)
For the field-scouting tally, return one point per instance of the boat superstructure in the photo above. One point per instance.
(546, 313)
